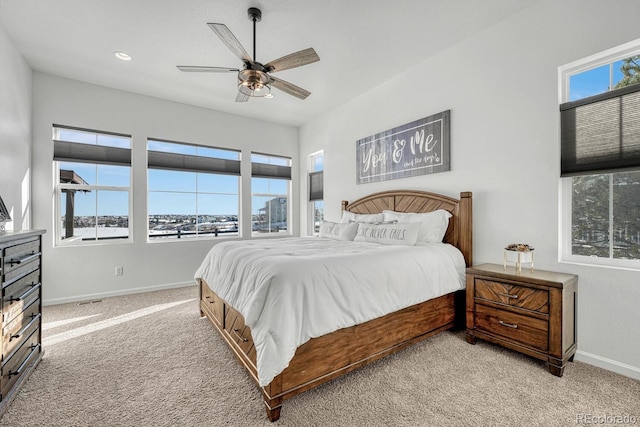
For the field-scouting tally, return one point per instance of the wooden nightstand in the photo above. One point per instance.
(530, 312)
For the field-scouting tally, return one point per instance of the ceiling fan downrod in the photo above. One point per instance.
(255, 15)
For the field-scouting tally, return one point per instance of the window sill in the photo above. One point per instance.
(616, 264)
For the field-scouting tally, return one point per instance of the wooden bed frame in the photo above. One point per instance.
(324, 358)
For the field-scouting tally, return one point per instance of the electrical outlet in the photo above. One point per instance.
(119, 270)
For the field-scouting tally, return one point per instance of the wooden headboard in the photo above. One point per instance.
(459, 233)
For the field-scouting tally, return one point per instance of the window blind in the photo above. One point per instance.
(191, 163)
(263, 170)
(601, 133)
(316, 186)
(80, 152)
(65, 151)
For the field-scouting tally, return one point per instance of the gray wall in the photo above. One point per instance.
(77, 273)
(15, 134)
(502, 88)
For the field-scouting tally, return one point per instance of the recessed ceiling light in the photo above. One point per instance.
(269, 96)
(122, 55)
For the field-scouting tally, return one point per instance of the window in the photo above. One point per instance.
(316, 190)
(270, 194)
(93, 191)
(600, 151)
(192, 190)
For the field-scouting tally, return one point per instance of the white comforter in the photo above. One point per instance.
(293, 289)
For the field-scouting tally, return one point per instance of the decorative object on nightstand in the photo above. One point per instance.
(4, 215)
(530, 312)
(518, 253)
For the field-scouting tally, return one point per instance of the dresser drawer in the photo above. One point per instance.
(19, 361)
(526, 330)
(21, 270)
(512, 295)
(212, 304)
(20, 254)
(17, 295)
(22, 326)
(239, 333)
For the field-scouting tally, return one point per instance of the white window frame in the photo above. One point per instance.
(566, 184)
(57, 194)
(312, 204)
(272, 195)
(197, 236)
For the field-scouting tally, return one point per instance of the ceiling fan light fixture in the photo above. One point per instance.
(254, 83)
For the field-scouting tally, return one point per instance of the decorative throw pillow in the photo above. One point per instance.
(433, 225)
(388, 234)
(368, 218)
(338, 231)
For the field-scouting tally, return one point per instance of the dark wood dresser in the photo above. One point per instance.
(530, 312)
(21, 278)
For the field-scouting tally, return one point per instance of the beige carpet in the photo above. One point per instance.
(150, 360)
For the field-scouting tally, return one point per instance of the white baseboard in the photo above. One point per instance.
(99, 295)
(608, 364)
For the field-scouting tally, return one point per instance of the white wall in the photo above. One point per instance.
(77, 273)
(502, 88)
(15, 134)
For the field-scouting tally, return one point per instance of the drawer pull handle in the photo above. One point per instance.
(509, 295)
(34, 349)
(508, 325)
(210, 299)
(34, 287)
(237, 332)
(24, 259)
(34, 319)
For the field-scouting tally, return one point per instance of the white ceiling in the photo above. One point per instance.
(361, 44)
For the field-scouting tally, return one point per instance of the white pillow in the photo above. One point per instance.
(354, 217)
(433, 225)
(388, 234)
(338, 231)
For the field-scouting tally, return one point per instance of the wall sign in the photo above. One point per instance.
(417, 148)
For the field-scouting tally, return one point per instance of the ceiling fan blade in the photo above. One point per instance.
(241, 97)
(289, 88)
(230, 41)
(293, 60)
(197, 69)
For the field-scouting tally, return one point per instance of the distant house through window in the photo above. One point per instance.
(93, 190)
(600, 121)
(270, 194)
(193, 191)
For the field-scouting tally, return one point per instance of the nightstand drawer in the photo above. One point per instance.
(529, 331)
(512, 295)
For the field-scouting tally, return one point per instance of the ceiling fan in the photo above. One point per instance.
(255, 79)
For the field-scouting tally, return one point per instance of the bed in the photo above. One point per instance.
(320, 356)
